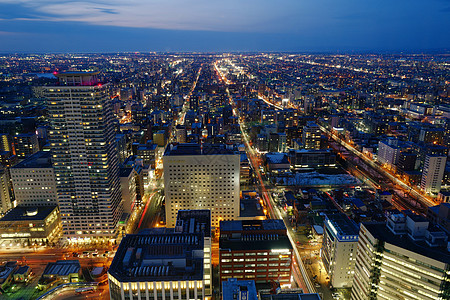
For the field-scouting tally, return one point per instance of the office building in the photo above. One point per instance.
(165, 263)
(302, 158)
(26, 144)
(181, 133)
(5, 142)
(255, 250)
(128, 187)
(311, 136)
(34, 182)
(433, 172)
(339, 249)
(404, 258)
(5, 195)
(388, 152)
(24, 225)
(201, 177)
(84, 155)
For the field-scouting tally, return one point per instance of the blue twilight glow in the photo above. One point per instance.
(233, 25)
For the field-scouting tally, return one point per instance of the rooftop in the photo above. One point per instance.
(342, 224)
(195, 149)
(159, 257)
(382, 233)
(232, 288)
(293, 294)
(254, 225)
(62, 268)
(256, 242)
(40, 159)
(25, 213)
(194, 221)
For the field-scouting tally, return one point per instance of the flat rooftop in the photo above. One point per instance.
(26, 213)
(253, 225)
(232, 288)
(40, 159)
(159, 257)
(194, 221)
(382, 233)
(256, 242)
(343, 224)
(196, 149)
(289, 296)
(62, 268)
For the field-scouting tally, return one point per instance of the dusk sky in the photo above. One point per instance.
(217, 25)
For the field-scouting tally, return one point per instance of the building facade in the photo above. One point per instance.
(339, 249)
(433, 172)
(26, 144)
(34, 181)
(201, 177)
(84, 155)
(406, 258)
(255, 250)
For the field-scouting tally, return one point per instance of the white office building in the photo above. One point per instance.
(34, 181)
(84, 155)
(433, 172)
(196, 178)
(405, 258)
(339, 249)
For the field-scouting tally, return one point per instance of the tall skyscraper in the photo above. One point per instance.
(84, 156)
(198, 177)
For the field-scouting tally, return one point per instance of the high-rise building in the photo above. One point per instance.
(339, 249)
(406, 258)
(84, 155)
(311, 136)
(201, 177)
(26, 144)
(34, 181)
(433, 172)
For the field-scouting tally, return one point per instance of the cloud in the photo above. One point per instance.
(208, 15)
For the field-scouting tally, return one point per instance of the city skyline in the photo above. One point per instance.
(171, 26)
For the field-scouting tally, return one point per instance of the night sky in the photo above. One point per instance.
(224, 25)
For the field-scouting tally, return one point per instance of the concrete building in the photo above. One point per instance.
(201, 177)
(165, 263)
(28, 225)
(128, 187)
(300, 159)
(388, 152)
(433, 172)
(84, 156)
(255, 250)
(311, 136)
(339, 249)
(5, 142)
(5, 196)
(26, 144)
(34, 181)
(181, 133)
(404, 258)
